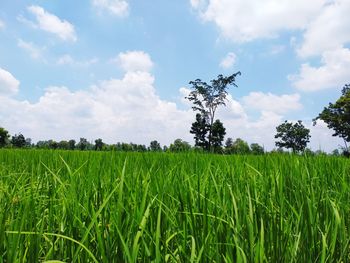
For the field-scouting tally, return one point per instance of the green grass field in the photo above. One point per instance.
(58, 206)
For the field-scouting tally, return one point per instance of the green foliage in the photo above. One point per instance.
(256, 149)
(98, 145)
(206, 99)
(83, 144)
(293, 136)
(74, 206)
(179, 146)
(18, 141)
(4, 137)
(200, 130)
(218, 134)
(239, 146)
(154, 146)
(337, 115)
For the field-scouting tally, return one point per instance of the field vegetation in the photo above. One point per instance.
(74, 206)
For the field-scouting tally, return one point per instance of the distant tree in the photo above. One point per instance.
(141, 148)
(18, 141)
(218, 134)
(336, 152)
(4, 137)
(206, 99)
(229, 142)
(52, 144)
(63, 145)
(240, 147)
(83, 144)
(99, 144)
(71, 144)
(29, 143)
(200, 129)
(337, 116)
(179, 146)
(256, 149)
(292, 136)
(154, 146)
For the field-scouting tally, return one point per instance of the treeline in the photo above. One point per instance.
(238, 146)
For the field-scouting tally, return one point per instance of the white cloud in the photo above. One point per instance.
(34, 51)
(243, 21)
(116, 7)
(51, 23)
(129, 109)
(330, 30)
(333, 73)
(8, 83)
(228, 61)
(2, 24)
(134, 61)
(272, 103)
(68, 60)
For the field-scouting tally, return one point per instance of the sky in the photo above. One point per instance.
(120, 69)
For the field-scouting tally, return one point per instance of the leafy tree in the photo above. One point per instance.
(82, 144)
(200, 129)
(71, 144)
(4, 137)
(240, 147)
(256, 149)
(18, 141)
(229, 142)
(206, 99)
(29, 143)
(98, 145)
(218, 134)
(52, 144)
(179, 146)
(154, 146)
(64, 145)
(293, 136)
(337, 116)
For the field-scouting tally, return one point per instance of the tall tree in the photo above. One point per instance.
(218, 134)
(200, 129)
(337, 116)
(206, 98)
(18, 141)
(293, 136)
(98, 144)
(154, 146)
(4, 137)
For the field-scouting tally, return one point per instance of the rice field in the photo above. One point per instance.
(71, 206)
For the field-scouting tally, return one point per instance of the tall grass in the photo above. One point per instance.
(130, 207)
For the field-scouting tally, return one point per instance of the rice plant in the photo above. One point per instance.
(71, 206)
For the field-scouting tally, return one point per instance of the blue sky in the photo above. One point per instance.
(119, 69)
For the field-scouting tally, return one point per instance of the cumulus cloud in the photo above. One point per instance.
(116, 7)
(272, 103)
(333, 73)
(8, 83)
(34, 51)
(50, 23)
(128, 109)
(228, 61)
(134, 61)
(330, 30)
(68, 60)
(2, 24)
(243, 21)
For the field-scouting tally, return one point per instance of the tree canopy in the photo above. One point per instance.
(337, 115)
(206, 99)
(292, 136)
